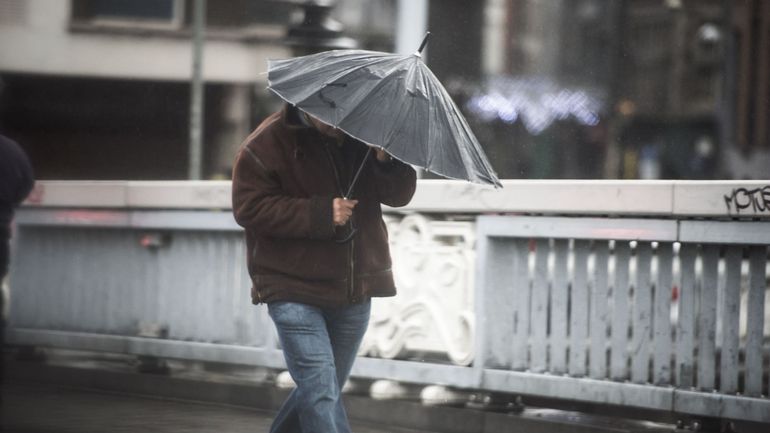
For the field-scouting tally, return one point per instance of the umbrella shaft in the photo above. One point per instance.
(424, 42)
(358, 173)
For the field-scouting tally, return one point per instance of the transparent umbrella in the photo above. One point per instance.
(386, 100)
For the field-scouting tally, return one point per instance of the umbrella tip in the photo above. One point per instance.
(424, 43)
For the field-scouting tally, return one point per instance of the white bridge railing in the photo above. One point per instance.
(645, 294)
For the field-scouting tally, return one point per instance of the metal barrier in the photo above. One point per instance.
(648, 294)
(584, 306)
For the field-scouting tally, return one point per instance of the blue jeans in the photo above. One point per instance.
(319, 346)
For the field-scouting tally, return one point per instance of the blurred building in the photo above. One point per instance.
(669, 105)
(677, 89)
(748, 112)
(693, 89)
(100, 89)
(673, 89)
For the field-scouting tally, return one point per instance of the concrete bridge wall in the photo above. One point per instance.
(644, 294)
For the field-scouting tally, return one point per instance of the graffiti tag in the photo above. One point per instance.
(748, 200)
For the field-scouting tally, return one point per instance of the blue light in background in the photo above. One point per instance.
(537, 102)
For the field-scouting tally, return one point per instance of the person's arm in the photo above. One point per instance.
(396, 181)
(260, 204)
(26, 178)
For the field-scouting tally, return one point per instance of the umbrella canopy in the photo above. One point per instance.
(386, 100)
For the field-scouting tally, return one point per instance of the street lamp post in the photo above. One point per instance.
(316, 30)
(197, 92)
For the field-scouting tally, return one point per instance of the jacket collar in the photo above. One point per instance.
(290, 116)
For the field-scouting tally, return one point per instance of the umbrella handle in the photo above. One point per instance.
(347, 238)
(424, 42)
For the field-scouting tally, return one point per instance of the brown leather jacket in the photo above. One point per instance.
(285, 178)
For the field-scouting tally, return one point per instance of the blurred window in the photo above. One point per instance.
(248, 13)
(13, 12)
(149, 13)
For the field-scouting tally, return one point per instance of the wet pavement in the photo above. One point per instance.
(36, 408)
(75, 392)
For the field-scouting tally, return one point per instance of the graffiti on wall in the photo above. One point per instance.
(748, 201)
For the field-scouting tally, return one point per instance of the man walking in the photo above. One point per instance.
(15, 184)
(316, 257)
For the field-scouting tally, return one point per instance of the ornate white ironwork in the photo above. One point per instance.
(433, 266)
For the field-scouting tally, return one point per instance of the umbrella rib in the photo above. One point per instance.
(429, 157)
(436, 90)
(458, 122)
